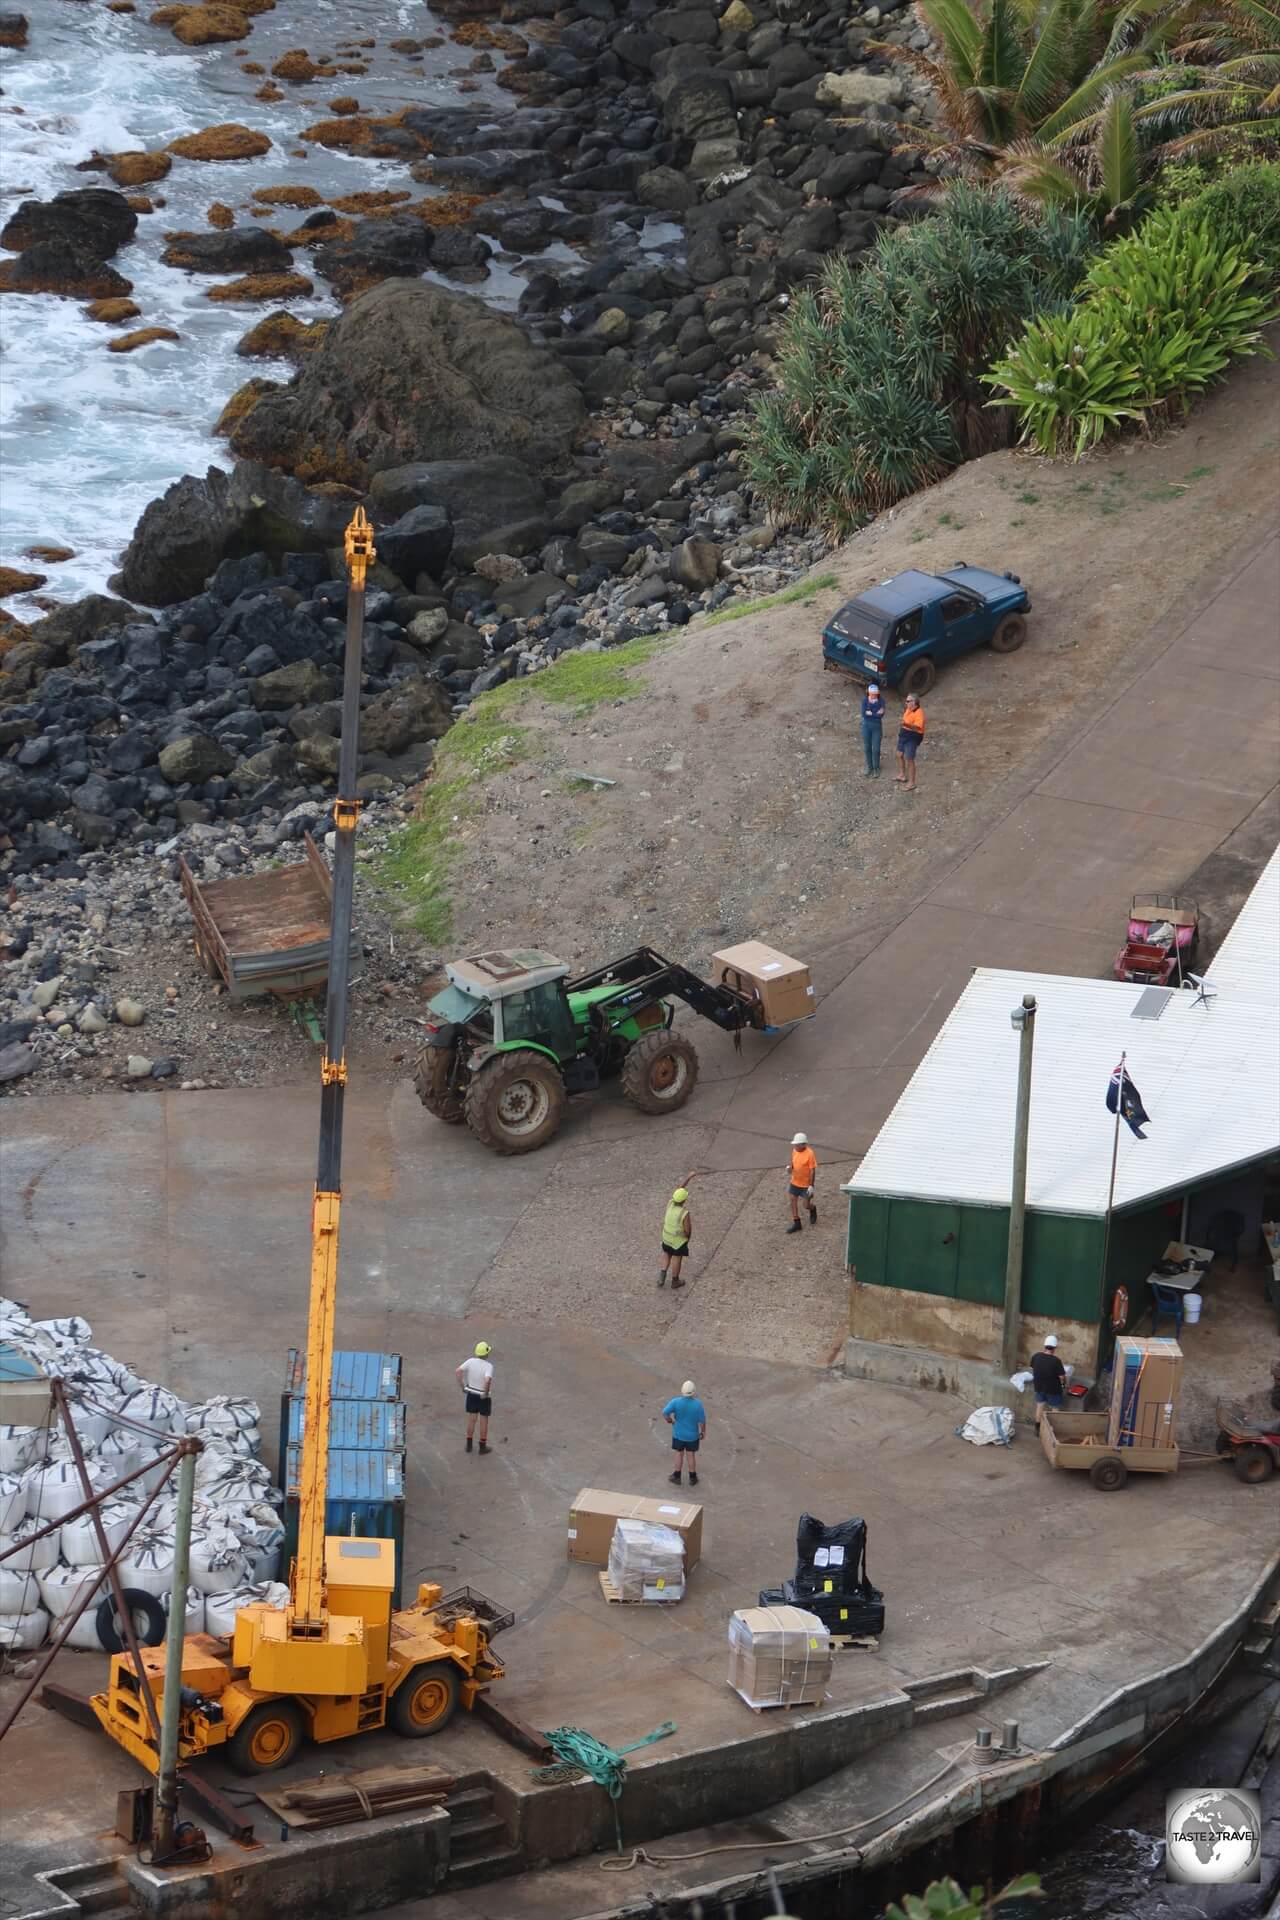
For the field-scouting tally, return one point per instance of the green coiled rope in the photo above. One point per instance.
(581, 1753)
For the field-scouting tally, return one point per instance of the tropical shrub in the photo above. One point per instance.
(879, 368)
(1230, 51)
(1246, 205)
(1162, 314)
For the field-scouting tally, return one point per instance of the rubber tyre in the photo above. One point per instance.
(660, 1071)
(1010, 634)
(527, 1124)
(268, 1737)
(1253, 1465)
(426, 1702)
(918, 678)
(1108, 1475)
(150, 1621)
(432, 1074)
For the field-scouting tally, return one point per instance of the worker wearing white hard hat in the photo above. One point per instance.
(802, 1174)
(1048, 1375)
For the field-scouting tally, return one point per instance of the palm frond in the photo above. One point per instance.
(952, 22)
(1043, 74)
(1118, 152)
(1089, 94)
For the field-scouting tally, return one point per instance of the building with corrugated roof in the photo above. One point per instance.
(929, 1204)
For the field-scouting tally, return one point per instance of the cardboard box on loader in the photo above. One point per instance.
(778, 984)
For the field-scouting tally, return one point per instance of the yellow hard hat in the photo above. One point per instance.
(680, 1195)
(483, 1349)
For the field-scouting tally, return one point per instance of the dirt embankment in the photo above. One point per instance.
(740, 808)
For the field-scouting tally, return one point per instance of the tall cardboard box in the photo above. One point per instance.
(778, 984)
(1145, 1384)
(778, 1656)
(595, 1513)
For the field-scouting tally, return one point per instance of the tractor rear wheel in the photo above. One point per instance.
(432, 1079)
(1010, 634)
(516, 1102)
(425, 1702)
(660, 1071)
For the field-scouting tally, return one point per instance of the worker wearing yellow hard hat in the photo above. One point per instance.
(677, 1226)
(475, 1376)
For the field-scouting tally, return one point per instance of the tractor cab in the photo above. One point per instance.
(510, 996)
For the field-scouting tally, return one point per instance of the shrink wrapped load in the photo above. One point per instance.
(646, 1562)
(778, 1656)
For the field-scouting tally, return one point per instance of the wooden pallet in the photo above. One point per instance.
(771, 1706)
(853, 1643)
(616, 1599)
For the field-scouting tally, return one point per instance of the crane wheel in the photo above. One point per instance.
(516, 1102)
(267, 1737)
(426, 1702)
(660, 1071)
(432, 1080)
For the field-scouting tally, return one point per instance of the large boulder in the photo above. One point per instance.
(237, 250)
(496, 506)
(299, 684)
(420, 541)
(418, 709)
(63, 266)
(377, 250)
(193, 760)
(179, 540)
(93, 220)
(69, 628)
(854, 91)
(409, 366)
(697, 105)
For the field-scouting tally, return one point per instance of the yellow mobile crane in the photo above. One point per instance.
(337, 1659)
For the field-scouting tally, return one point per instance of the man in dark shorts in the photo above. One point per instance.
(475, 1377)
(677, 1225)
(802, 1172)
(1048, 1375)
(687, 1417)
(910, 735)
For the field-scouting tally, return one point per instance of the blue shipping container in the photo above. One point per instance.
(356, 1376)
(368, 1425)
(365, 1500)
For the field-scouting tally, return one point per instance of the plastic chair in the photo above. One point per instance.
(1165, 1300)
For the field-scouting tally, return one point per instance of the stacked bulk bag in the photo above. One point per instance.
(220, 1609)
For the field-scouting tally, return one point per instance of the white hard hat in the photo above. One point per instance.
(799, 1139)
(1051, 1339)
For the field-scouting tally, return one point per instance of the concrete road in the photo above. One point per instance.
(178, 1223)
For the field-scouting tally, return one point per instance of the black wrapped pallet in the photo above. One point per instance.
(857, 1613)
(836, 1554)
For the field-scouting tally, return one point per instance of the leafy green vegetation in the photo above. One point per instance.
(414, 869)
(1245, 206)
(1162, 314)
(879, 369)
(802, 590)
(945, 1900)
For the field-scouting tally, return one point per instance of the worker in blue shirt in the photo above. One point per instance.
(687, 1417)
(872, 713)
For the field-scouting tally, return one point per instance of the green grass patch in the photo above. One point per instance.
(1200, 473)
(802, 590)
(915, 538)
(414, 869)
(949, 520)
(1028, 497)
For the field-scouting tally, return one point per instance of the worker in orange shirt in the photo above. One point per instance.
(802, 1175)
(910, 734)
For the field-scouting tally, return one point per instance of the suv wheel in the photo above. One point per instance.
(1010, 634)
(919, 677)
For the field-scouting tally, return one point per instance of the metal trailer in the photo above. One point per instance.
(267, 932)
(1079, 1441)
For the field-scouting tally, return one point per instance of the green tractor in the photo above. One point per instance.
(512, 1036)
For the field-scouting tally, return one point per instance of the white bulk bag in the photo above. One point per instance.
(19, 1632)
(13, 1506)
(79, 1539)
(220, 1609)
(83, 1635)
(20, 1447)
(62, 1588)
(218, 1561)
(71, 1332)
(223, 1416)
(94, 1371)
(56, 1490)
(122, 1451)
(33, 1558)
(194, 1616)
(91, 1426)
(223, 1479)
(148, 1564)
(19, 1592)
(156, 1407)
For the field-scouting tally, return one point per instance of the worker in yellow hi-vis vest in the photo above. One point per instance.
(677, 1228)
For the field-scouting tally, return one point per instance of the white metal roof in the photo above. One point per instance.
(1208, 1075)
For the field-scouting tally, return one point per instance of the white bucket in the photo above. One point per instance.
(1191, 1305)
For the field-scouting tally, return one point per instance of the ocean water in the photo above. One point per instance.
(88, 437)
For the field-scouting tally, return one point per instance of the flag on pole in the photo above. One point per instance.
(1124, 1096)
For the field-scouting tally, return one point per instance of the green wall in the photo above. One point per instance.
(960, 1252)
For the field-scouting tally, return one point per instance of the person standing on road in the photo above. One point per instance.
(910, 734)
(677, 1226)
(872, 713)
(802, 1174)
(475, 1377)
(1048, 1375)
(687, 1417)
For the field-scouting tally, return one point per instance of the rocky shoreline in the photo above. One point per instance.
(566, 478)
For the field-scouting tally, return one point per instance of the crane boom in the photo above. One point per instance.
(308, 1609)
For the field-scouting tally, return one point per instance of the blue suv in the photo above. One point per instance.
(900, 632)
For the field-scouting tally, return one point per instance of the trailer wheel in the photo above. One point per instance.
(432, 1080)
(267, 1737)
(919, 677)
(1254, 1465)
(516, 1102)
(1108, 1475)
(1010, 634)
(146, 1615)
(660, 1071)
(426, 1702)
